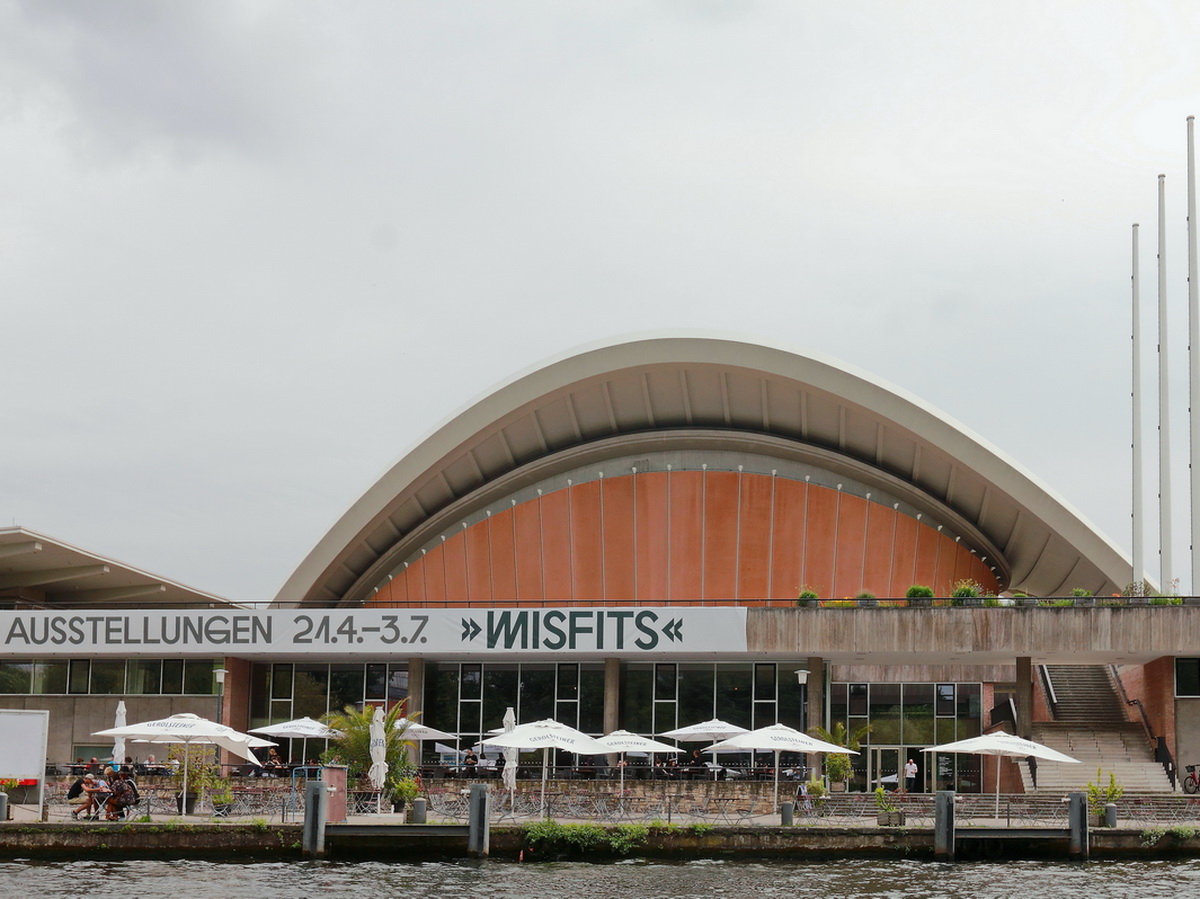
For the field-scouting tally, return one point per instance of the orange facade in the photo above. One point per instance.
(685, 536)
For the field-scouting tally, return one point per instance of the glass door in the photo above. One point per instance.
(885, 767)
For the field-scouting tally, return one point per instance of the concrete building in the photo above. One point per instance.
(618, 539)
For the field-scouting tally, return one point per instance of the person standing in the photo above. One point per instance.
(910, 777)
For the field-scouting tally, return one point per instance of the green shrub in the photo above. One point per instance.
(919, 591)
(966, 588)
(865, 594)
(1080, 591)
(1100, 794)
(1166, 600)
(628, 837)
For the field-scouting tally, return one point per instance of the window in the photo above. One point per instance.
(1187, 677)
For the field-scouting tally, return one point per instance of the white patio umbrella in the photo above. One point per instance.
(298, 729)
(705, 731)
(119, 742)
(379, 766)
(1001, 743)
(544, 735)
(511, 755)
(414, 730)
(623, 741)
(417, 732)
(778, 738)
(185, 728)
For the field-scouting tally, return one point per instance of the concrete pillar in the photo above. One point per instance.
(313, 843)
(478, 825)
(943, 826)
(1025, 697)
(416, 686)
(612, 702)
(612, 695)
(814, 712)
(1077, 815)
(416, 702)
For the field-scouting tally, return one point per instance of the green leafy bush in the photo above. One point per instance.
(919, 591)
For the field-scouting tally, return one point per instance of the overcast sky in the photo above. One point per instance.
(251, 252)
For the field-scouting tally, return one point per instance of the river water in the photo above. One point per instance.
(624, 880)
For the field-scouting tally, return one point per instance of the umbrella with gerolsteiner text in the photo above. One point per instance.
(1001, 743)
(186, 728)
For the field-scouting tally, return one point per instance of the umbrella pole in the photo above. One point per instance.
(776, 780)
(187, 754)
(621, 804)
(545, 763)
(998, 758)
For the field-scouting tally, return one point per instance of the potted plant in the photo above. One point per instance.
(222, 799)
(889, 813)
(7, 784)
(1100, 795)
(403, 789)
(838, 766)
(202, 773)
(967, 592)
(919, 595)
(807, 597)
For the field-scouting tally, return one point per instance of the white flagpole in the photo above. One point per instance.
(1139, 550)
(1193, 351)
(1164, 425)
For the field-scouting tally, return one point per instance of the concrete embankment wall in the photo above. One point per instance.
(169, 839)
(282, 842)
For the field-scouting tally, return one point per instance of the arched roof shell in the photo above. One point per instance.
(604, 398)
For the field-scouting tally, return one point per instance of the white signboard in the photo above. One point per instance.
(605, 631)
(23, 748)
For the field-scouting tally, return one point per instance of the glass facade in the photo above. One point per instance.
(470, 698)
(283, 691)
(109, 677)
(896, 721)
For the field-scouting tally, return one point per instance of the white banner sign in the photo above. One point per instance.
(603, 631)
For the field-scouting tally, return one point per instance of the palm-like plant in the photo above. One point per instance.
(838, 765)
(353, 747)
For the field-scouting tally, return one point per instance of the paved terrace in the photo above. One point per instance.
(714, 803)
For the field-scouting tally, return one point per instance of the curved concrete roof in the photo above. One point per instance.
(675, 389)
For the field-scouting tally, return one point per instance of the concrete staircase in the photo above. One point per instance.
(1121, 749)
(1085, 693)
(1091, 725)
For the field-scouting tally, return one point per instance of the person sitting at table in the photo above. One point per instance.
(95, 793)
(273, 766)
(123, 797)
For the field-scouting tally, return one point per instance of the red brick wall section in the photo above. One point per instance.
(1154, 684)
(688, 535)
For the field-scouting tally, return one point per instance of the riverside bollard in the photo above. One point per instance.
(786, 813)
(1077, 815)
(478, 833)
(315, 797)
(943, 826)
(420, 808)
(3, 806)
(1110, 815)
